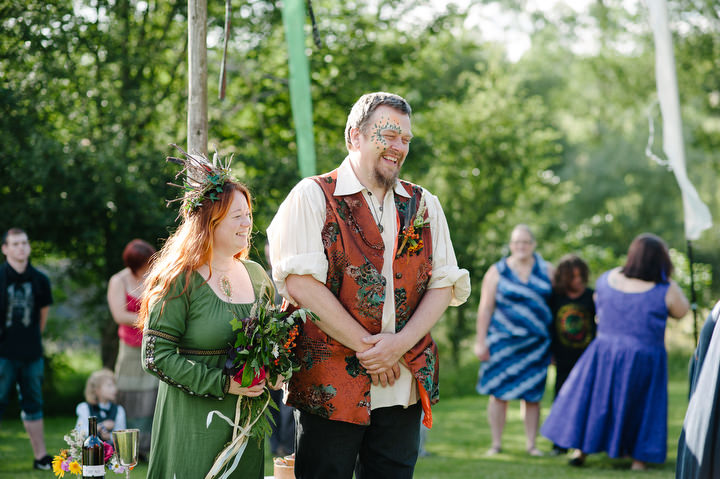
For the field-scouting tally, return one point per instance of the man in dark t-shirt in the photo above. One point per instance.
(25, 299)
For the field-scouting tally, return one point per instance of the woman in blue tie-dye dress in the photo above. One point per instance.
(513, 337)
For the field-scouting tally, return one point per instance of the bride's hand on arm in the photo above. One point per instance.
(253, 391)
(278, 384)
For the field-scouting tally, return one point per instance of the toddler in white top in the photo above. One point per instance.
(100, 396)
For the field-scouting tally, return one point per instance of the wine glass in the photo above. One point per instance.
(126, 446)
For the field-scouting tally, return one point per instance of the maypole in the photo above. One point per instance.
(197, 121)
(697, 214)
(300, 95)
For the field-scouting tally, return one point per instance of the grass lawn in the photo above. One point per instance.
(457, 441)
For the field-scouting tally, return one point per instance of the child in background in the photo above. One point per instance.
(100, 393)
(573, 311)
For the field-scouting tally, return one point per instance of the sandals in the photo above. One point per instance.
(535, 452)
(493, 451)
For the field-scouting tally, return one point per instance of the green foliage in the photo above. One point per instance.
(87, 90)
(702, 276)
(92, 93)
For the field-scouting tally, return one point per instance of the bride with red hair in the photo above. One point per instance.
(199, 282)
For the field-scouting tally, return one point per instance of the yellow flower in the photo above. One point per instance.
(75, 468)
(57, 466)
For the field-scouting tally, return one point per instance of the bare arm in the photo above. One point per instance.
(676, 301)
(118, 302)
(485, 312)
(551, 273)
(43, 317)
(388, 348)
(333, 318)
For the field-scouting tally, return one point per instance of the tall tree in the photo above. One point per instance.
(96, 85)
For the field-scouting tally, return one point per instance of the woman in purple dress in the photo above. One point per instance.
(615, 399)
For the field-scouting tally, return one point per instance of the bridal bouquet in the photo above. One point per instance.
(263, 344)
(263, 350)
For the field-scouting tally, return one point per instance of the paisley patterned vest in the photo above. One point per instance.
(331, 382)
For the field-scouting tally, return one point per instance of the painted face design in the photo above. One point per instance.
(384, 130)
(387, 145)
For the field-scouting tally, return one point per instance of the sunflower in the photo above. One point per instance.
(75, 468)
(57, 466)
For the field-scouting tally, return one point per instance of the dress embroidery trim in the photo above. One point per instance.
(162, 334)
(152, 366)
(203, 352)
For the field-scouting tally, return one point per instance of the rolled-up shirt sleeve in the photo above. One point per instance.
(295, 236)
(446, 271)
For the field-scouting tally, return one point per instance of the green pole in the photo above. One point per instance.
(300, 98)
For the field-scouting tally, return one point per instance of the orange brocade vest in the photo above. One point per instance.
(331, 383)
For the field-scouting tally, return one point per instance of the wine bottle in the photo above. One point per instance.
(93, 452)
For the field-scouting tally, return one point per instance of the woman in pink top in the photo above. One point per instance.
(137, 390)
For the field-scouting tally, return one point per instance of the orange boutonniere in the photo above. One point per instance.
(409, 236)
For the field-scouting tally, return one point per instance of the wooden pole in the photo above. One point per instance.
(197, 77)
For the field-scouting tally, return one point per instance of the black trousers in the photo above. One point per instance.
(387, 448)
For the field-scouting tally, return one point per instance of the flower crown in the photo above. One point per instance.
(203, 180)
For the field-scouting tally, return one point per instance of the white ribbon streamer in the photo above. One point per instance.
(237, 446)
(697, 214)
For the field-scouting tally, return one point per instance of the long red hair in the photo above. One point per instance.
(189, 247)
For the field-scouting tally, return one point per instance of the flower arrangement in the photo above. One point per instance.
(409, 237)
(263, 349)
(70, 459)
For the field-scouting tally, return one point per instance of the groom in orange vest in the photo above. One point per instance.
(371, 256)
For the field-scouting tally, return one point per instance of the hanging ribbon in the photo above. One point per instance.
(316, 33)
(223, 82)
(697, 214)
(293, 13)
(237, 446)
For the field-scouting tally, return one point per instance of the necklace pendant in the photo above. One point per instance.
(226, 286)
(380, 227)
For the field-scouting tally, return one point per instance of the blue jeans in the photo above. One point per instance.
(27, 376)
